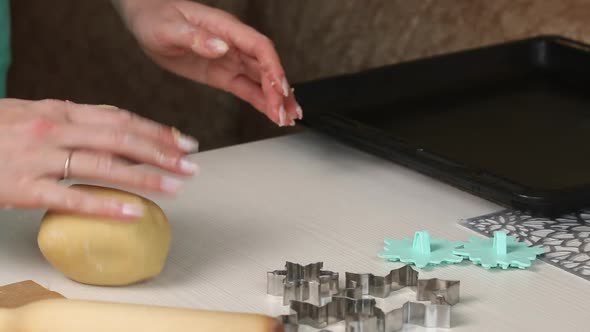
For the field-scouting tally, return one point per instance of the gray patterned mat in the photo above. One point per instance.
(566, 240)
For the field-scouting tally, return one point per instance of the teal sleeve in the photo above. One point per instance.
(5, 55)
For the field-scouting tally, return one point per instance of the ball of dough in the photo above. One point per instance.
(106, 252)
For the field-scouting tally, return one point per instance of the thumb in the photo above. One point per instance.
(199, 40)
(208, 45)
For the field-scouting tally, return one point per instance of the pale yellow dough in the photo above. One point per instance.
(107, 252)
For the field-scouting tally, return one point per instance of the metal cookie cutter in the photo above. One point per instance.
(303, 283)
(441, 294)
(331, 313)
(369, 284)
(435, 315)
(438, 291)
(362, 314)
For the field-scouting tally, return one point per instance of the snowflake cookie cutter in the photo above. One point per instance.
(438, 291)
(363, 314)
(382, 287)
(307, 283)
(422, 250)
(500, 251)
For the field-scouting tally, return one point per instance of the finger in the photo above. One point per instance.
(233, 62)
(179, 33)
(261, 48)
(50, 195)
(251, 67)
(208, 45)
(50, 108)
(115, 117)
(12, 102)
(124, 144)
(224, 76)
(248, 90)
(245, 38)
(251, 92)
(105, 167)
(275, 107)
(289, 104)
(293, 108)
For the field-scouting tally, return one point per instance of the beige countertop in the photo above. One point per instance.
(307, 198)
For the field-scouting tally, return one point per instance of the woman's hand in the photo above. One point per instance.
(211, 46)
(36, 138)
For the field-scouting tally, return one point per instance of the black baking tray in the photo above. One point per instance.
(507, 122)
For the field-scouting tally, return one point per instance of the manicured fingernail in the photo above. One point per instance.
(185, 143)
(170, 185)
(188, 166)
(132, 210)
(285, 87)
(217, 45)
(299, 111)
(282, 115)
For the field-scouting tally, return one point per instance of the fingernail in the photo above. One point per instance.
(188, 166)
(285, 87)
(184, 142)
(132, 210)
(217, 45)
(299, 111)
(282, 115)
(170, 185)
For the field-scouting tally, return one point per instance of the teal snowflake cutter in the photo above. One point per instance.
(421, 251)
(501, 250)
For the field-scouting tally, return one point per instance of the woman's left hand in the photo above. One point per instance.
(213, 47)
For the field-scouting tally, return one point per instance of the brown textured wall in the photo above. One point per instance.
(319, 38)
(79, 50)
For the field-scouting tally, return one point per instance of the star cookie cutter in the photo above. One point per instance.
(307, 283)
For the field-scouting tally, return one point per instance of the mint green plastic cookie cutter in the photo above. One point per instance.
(421, 251)
(500, 251)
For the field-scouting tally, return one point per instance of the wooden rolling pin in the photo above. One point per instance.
(62, 315)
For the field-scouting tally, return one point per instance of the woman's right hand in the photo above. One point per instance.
(36, 138)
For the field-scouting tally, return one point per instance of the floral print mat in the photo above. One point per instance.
(566, 239)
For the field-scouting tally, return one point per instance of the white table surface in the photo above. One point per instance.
(308, 198)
